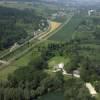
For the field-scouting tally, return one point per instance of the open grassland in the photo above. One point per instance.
(66, 33)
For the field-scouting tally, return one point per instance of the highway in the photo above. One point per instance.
(35, 40)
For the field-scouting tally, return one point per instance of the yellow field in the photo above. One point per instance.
(53, 26)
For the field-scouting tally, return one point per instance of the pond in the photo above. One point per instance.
(53, 96)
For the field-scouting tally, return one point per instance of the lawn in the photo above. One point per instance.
(57, 60)
(66, 33)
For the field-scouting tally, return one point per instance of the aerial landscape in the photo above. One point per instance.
(49, 50)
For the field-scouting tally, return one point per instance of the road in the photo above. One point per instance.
(40, 38)
(32, 39)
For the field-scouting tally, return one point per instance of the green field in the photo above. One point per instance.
(66, 33)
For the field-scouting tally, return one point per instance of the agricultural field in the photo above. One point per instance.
(66, 33)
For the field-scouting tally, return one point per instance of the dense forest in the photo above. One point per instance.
(14, 25)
